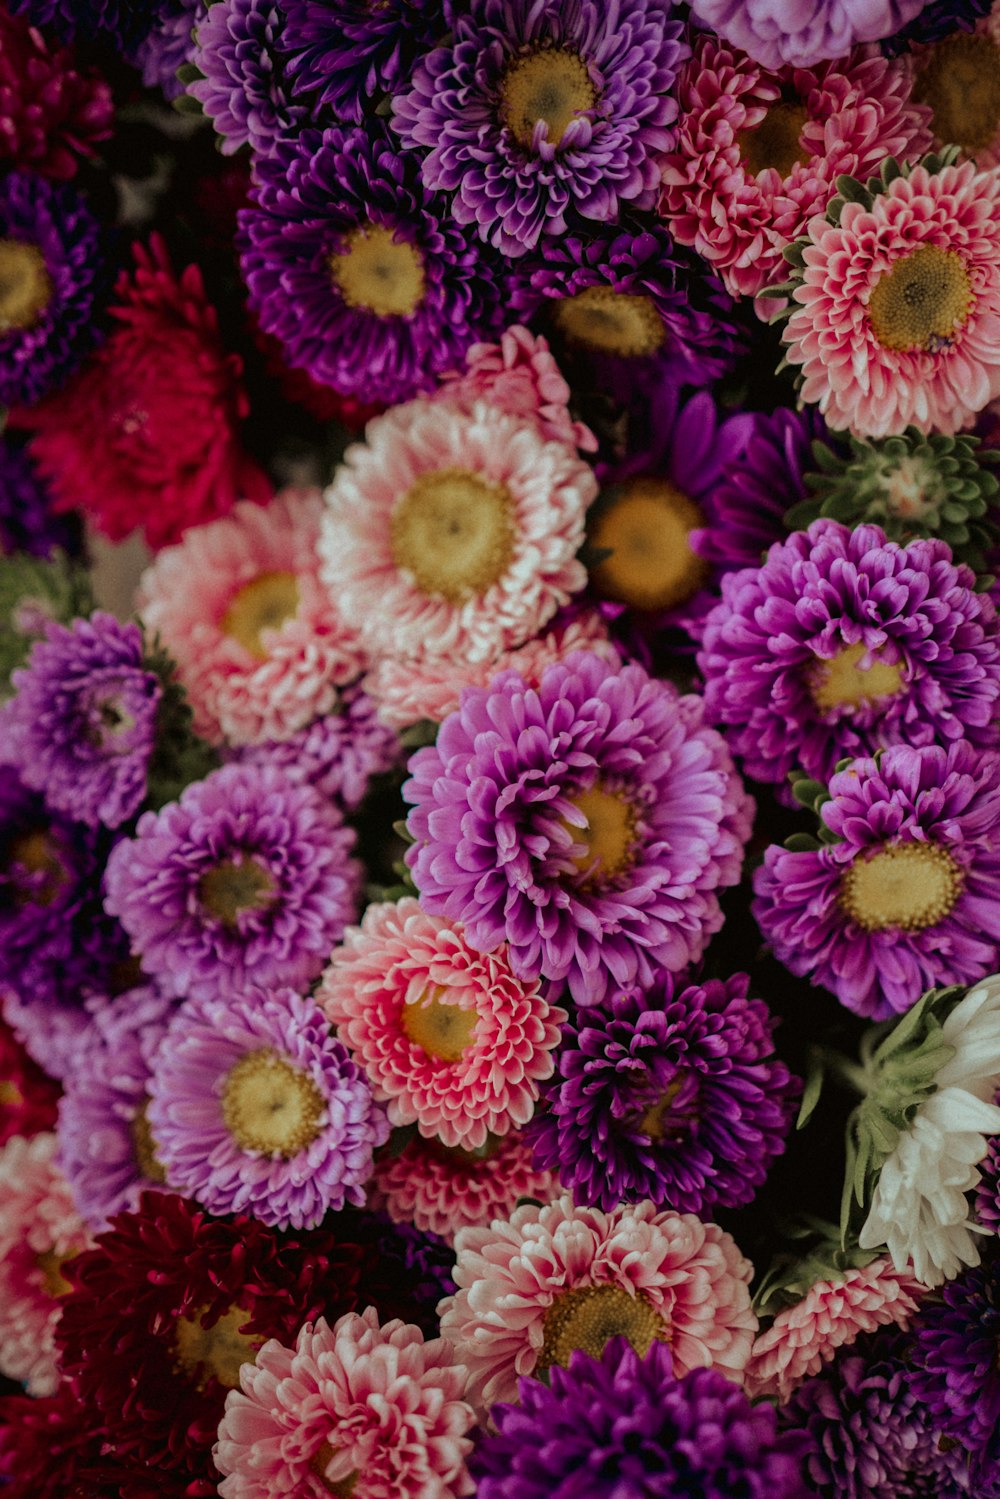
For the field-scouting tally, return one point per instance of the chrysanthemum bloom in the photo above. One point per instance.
(441, 1190)
(535, 112)
(622, 1423)
(247, 879)
(27, 1095)
(555, 1278)
(911, 337)
(832, 1314)
(757, 153)
(46, 1448)
(675, 1096)
(243, 88)
(955, 74)
(26, 521)
(449, 1038)
(589, 823)
(988, 1188)
(843, 643)
(956, 1372)
(52, 112)
(169, 46)
(148, 434)
(348, 52)
(374, 1412)
(350, 263)
(454, 533)
(123, 23)
(803, 36)
(40, 1231)
(260, 644)
(255, 1108)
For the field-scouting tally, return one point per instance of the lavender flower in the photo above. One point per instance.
(169, 46)
(954, 1359)
(803, 35)
(349, 52)
(240, 52)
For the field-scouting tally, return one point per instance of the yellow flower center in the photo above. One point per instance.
(235, 886)
(270, 1106)
(453, 531)
(610, 322)
(589, 1316)
(35, 853)
(842, 681)
(646, 524)
(145, 1146)
(381, 274)
(11, 1096)
(320, 1461)
(263, 604)
(906, 885)
(961, 83)
(552, 85)
(51, 1265)
(776, 141)
(608, 835)
(653, 1121)
(922, 302)
(442, 1030)
(25, 285)
(216, 1352)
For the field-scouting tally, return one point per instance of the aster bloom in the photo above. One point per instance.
(45, 1449)
(449, 1037)
(624, 1423)
(588, 822)
(954, 1358)
(988, 1189)
(169, 46)
(954, 73)
(674, 1096)
(261, 647)
(53, 112)
(354, 1409)
(26, 521)
(350, 263)
(802, 36)
(40, 1232)
(240, 52)
(348, 52)
(27, 1095)
(843, 643)
(122, 22)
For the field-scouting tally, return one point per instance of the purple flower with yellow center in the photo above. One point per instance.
(956, 1371)
(674, 1096)
(589, 823)
(240, 51)
(26, 522)
(356, 269)
(256, 1108)
(246, 879)
(907, 897)
(349, 52)
(538, 110)
(843, 643)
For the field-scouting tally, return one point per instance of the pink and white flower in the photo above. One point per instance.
(519, 375)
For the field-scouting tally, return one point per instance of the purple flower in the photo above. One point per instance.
(589, 822)
(674, 1096)
(956, 1372)
(937, 19)
(543, 108)
(351, 265)
(247, 879)
(802, 32)
(622, 1427)
(988, 1191)
(27, 524)
(349, 52)
(83, 722)
(241, 52)
(169, 46)
(908, 897)
(123, 22)
(256, 1108)
(842, 643)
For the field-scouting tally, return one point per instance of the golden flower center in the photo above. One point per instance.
(11, 1096)
(235, 886)
(550, 85)
(776, 141)
(907, 885)
(610, 321)
(453, 531)
(263, 604)
(25, 285)
(646, 524)
(588, 1317)
(442, 1030)
(381, 274)
(216, 1352)
(318, 1464)
(144, 1146)
(922, 302)
(35, 853)
(961, 84)
(841, 681)
(653, 1121)
(608, 835)
(51, 1263)
(269, 1105)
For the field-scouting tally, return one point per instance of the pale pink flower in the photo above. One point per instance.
(448, 1037)
(260, 645)
(519, 375)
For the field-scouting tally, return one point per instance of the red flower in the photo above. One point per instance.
(50, 113)
(27, 1096)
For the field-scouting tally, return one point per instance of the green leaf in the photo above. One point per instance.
(815, 1078)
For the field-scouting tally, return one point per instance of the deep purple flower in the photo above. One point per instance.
(622, 1427)
(908, 897)
(123, 22)
(256, 1108)
(539, 109)
(247, 879)
(937, 19)
(351, 266)
(349, 52)
(802, 32)
(27, 524)
(241, 52)
(842, 643)
(988, 1191)
(675, 1095)
(405, 1272)
(589, 822)
(956, 1372)
(169, 46)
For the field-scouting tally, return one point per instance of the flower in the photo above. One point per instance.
(350, 264)
(27, 1094)
(623, 1423)
(803, 37)
(148, 434)
(912, 336)
(843, 643)
(40, 1232)
(260, 645)
(674, 1096)
(52, 111)
(556, 1278)
(404, 1271)
(348, 53)
(988, 1190)
(967, 115)
(757, 152)
(448, 1037)
(453, 533)
(937, 19)
(169, 46)
(954, 1359)
(254, 1108)
(534, 111)
(45, 1449)
(247, 878)
(122, 22)
(240, 53)
(588, 822)
(355, 1407)
(26, 521)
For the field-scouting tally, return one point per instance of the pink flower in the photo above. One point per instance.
(757, 152)
(447, 1035)
(556, 1278)
(260, 645)
(519, 375)
(354, 1409)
